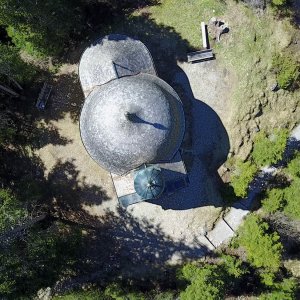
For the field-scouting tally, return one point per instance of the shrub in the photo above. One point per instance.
(293, 167)
(279, 2)
(287, 70)
(243, 175)
(40, 27)
(12, 211)
(274, 201)
(285, 290)
(268, 149)
(13, 66)
(263, 249)
(38, 261)
(117, 292)
(233, 267)
(82, 295)
(206, 283)
(291, 195)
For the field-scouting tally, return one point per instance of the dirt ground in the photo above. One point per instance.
(159, 233)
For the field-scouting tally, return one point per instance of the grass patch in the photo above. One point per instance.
(186, 17)
(287, 71)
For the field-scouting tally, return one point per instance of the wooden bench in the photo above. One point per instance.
(200, 55)
(44, 96)
(204, 54)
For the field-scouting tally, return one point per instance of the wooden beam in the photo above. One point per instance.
(204, 36)
(9, 91)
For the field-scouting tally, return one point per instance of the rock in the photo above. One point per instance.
(275, 87)
(44, 294)
(256, 4)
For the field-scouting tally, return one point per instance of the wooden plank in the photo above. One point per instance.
(200, 55)
(204, 36)
(44, 96)
(9, 91)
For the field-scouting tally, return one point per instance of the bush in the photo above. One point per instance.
(82, 295)
(12, 211)
(279, 2)
(263, 249)
(291, 194)
(13, 66)
(117, 292)
(293, 167)
(274, 201)
(206, 283)
(41, 28)
(268, 149)
(243, 175)
(38, 260)
(285, 290)
(287, 69)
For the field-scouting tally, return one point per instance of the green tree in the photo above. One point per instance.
(38, 259)
(274, 201)
(206, 282)
(263, 249)
(117, 292)
(12, 66)
(242, 176)
(293, 167)
(82, 295)
(12, 211)
(268, 149)
(279, 2)
(40, 27)
(291, 195)
(285, 290)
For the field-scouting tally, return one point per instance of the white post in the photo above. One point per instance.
(203, 29)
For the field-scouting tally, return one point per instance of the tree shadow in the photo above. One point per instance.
(205, 147)
(69, 193)
(124, 248)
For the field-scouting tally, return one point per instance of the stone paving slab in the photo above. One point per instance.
(220, 234)
(235, 216)
(205, 242)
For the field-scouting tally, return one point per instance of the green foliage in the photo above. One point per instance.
(268, 149)
(233, 266)
(42, 257)
(293, 167)
(13, 66)
(285, 290)
(279, 2)
(206, 282)
(287, 70)
(40, 27)
(274, 201)
(243, 175)
(168, 295)
(117, 292)
(12, 211)
(263, 249)
(82, 295)
(291, 195)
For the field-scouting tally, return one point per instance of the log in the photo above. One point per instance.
(9, 91)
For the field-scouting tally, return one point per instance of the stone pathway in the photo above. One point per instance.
(225, 228)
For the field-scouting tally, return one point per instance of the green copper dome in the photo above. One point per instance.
(149, 183)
